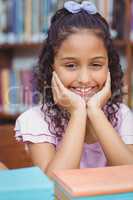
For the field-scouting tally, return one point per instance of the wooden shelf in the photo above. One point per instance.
(29, 45)
(120, 43)
(131, 43)
(12, 153)
(6, 116)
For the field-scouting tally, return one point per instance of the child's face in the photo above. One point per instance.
(82, 63)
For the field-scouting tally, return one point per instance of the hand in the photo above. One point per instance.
(99, 99)
(65, 97)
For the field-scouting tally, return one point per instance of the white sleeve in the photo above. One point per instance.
(126, 125)
(31, 126)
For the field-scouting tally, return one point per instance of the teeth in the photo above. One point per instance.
(83, 88)
(84, 91)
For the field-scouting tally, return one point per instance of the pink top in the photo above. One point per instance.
(31, 127)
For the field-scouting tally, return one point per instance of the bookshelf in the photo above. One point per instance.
(28, 42)
(24, 45)
(12, 153)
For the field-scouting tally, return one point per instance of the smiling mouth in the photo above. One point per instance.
(84, 92)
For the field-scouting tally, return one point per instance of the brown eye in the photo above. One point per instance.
(96, 66)
(70, 66)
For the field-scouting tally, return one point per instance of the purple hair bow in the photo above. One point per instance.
(75, 7)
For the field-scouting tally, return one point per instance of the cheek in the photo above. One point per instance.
(101, 78)
(66, 78)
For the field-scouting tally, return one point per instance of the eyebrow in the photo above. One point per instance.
(94, 58)
(68, 58)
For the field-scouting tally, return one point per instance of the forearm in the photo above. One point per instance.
(114, 148)
(68, 154)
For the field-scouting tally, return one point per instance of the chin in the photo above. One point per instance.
(86, 98)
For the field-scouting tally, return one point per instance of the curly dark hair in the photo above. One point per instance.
(64, 23)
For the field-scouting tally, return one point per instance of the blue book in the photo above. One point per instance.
(10, 16)
(25, 184)
(14, 17)
(35, 17)
(19, 17)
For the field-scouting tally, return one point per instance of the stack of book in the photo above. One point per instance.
(110, 183)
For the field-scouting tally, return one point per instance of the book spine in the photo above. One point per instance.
(28, 20)
(5, 89)
(131, 31)
(26, 87)
(35, 20)
(3, 17)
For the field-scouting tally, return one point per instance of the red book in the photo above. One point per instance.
(94, 182)
(27, 86)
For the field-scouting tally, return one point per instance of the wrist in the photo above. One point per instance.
(80, 108)
(94, 111)
(79, 112)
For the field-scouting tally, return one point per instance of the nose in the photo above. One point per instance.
(84, 76)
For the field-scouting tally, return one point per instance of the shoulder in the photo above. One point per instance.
(125, 113)
(125, 109)
(126, 123)
(31, 126)
(32, 118)
(32, 114)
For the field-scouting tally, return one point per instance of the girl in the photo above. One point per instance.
(82, 121)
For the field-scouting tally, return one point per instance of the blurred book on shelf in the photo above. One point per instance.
(131, 22)
(29, 20)
(16, 90)
(118, 19)
(25, 20)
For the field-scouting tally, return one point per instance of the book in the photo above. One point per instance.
(132, 91)
(36, 15)
(118, 20)
(25, 184)
(28, 20)
(25, 21)
(26, 84)
(131, 23)
(94, 183)
(3, 18)
(5, 89)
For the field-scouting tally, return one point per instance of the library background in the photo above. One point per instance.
(23, 27)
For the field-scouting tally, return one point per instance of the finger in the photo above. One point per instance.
(108, 81)
(61, 98)
(107, 87)
(58, 81)
(55, 90)
(56, 87)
